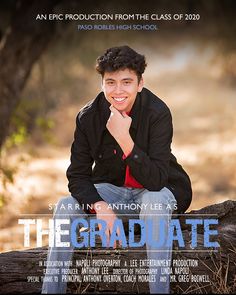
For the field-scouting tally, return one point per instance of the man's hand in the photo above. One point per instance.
(108, 215)
(118, 125)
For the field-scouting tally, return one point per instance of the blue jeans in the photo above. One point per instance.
(123, 196)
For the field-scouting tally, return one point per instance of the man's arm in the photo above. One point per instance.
(80, 170)
(151, 169)
(80, 184)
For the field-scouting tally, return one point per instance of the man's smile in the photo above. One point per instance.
(119, 99)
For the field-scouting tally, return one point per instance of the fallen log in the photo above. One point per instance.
(192, 270)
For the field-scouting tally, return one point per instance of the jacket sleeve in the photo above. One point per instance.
(151, 168)
(80, 170)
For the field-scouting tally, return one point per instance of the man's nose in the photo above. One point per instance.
(118, 88)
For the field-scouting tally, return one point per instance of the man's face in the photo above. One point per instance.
(120, 88)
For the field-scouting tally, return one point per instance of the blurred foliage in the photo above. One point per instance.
(28, 125)
(7, 177)
(2, 201)
(45, 126)
(220, 172)
(17, 138)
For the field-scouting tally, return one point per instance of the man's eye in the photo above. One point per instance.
(110, 83)
(127, 82)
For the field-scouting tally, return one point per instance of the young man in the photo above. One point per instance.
(121, 156)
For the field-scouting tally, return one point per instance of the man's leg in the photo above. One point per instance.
(157, 207)
(67, 208)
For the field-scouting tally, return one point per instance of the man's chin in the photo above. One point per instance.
(119, 108)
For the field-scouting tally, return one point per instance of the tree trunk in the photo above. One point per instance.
(17, 267)
(21, 47)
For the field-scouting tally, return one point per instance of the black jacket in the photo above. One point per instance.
(151, 162)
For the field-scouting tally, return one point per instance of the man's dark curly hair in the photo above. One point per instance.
(120, 58)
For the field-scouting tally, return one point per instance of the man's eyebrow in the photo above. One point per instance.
(109, 79)
(127, 79)
(124, 79)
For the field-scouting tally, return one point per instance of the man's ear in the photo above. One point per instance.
(140, 85)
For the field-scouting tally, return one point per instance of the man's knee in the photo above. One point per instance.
(157, 199)
(67, 205)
